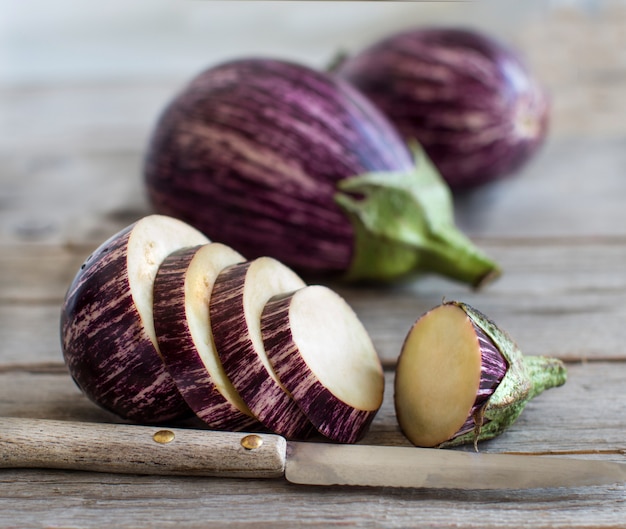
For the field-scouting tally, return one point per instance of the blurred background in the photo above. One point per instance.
(65, 40)
(573, 45)
(109, 67)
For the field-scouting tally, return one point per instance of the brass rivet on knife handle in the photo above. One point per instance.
(252, 442)
(163, 436)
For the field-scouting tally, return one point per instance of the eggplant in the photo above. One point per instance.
(182, 290)
(467, 98)
(107, 327)
(276, 159)
(324, 357)
(161, 324)
(239, 295)
(460, 379)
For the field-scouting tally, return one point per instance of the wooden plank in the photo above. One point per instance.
(573, 188)
(65, 499)
(563, 300)
(582, 416)
(583, 72)
(100, 116)
(47, 395)
(38, 273)
(66, 196)
(572, 323)
(29, 334)
(76, 197)
(572, 328)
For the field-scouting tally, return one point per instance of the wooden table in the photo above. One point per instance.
(70, 164)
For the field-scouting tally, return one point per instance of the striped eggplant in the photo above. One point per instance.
(325, 358)
(239, 295)
(275, 159)
(470, 100)
(460, 379)
(182, 290)
(107, 330)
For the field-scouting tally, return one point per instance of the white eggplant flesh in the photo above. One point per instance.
(325, 358)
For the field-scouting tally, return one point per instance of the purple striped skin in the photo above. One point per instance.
(467, 99)
(181, 355)
(251, 151)
(332, 417)
(105, 346)
(268, 401)
(526, 377)
(493, 369)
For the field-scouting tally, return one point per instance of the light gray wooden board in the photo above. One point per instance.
(584, 415)
(574, 188)
(581, 417)
(64, 499)
(564, 299)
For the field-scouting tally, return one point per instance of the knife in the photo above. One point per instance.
(131, 449)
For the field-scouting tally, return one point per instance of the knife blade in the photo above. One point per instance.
(132, 449)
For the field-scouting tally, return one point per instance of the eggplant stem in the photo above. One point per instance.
(544, 373)
(404, 223)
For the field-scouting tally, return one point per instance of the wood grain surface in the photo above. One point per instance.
(70, 175)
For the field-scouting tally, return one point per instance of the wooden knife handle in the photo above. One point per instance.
(130, 449)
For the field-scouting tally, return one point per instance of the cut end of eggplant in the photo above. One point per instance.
(438, 376)
(107, 327)
(326, 360)
(455, 354)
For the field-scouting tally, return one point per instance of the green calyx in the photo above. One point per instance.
(404, 224)
(526, 377)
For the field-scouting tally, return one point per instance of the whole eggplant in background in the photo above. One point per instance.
(276, 159)
(469, 100)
